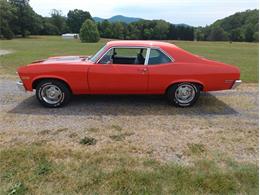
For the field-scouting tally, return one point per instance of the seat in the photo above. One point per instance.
(139, 59)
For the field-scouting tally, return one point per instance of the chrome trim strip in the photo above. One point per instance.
(164, 53)
(236, 84)
(20, 86)
(129, 47)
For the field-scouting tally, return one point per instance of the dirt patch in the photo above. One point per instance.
(5, 52)
(223, 123)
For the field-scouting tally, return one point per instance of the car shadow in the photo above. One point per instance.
(207, 105)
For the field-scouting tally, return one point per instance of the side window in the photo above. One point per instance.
(124, 56)
(106, 59)
(158, 57)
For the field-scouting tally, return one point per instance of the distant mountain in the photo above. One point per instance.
(118, 18)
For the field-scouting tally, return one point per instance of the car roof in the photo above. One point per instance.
(133, 43)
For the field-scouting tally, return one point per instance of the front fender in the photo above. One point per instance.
(46, 77)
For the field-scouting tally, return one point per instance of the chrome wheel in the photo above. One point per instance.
(185, 93)
(51, 94)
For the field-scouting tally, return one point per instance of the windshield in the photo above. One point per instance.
(94, 57)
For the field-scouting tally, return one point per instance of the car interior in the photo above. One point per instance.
(127, 58)
(133, 56)
(124, 56)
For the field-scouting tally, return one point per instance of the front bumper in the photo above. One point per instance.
(20, 85)
(236, 84)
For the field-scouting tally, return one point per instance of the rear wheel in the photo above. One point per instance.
(183, 94)
(53, 93)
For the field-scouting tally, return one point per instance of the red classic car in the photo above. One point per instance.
(128, 67)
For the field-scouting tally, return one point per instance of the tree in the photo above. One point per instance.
(59, 21)
(148, 33)
(105, 29)
(89, 32)
(6, 16)
(256, 36)
(236, 35)
(161, 29)
(118, 30)
(249, 33)
(49, 28)
(173, 32)
(241, 26)
(75, 19)
(217, 34)
(24, 17)
(133, 32)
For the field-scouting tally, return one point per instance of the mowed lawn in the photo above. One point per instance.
(243, 55)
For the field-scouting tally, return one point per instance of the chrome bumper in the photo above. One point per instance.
(20, 85)
(236, 84)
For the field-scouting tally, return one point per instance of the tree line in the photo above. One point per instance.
(17, 18)
(145, 30)
(242, 26)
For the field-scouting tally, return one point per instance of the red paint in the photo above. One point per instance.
(86, 77)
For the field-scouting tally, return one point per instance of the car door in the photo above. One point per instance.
(162, 71)
(119, 72)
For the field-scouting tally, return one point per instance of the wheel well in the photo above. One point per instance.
(37, 81)
(199, 84)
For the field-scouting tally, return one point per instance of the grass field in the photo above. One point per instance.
(243, 55)
(129, 145)
(41, 169)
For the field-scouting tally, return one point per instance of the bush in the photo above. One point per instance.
(88, 141)
(89, 32)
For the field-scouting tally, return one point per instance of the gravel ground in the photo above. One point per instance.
(223, 123)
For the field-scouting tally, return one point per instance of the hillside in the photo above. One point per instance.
(118, 18)
(241, 26)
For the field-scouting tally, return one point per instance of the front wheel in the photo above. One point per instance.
(183, 94)
(52, 93)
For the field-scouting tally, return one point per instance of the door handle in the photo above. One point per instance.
(143, 70)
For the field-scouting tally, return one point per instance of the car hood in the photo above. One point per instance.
(62, 59)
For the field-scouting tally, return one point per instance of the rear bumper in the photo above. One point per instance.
(236, 84)
(20, 86)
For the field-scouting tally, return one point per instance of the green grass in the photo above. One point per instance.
(243, 55)
(41, 47)
(41, 169)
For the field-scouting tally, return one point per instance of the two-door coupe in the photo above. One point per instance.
(128, 67)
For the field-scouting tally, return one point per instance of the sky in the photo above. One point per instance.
(191, 12)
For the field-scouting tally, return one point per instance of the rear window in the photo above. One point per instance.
(158, 57)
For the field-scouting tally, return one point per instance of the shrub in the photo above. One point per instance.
(89, 32)
(88, 141)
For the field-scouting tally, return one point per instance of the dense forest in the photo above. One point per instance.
(242, 26)
(17, 18)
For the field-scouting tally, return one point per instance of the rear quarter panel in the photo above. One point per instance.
(211, 76)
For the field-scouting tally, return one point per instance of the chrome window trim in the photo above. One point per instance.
(141, 47)
(164, 52)
(124, 47)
